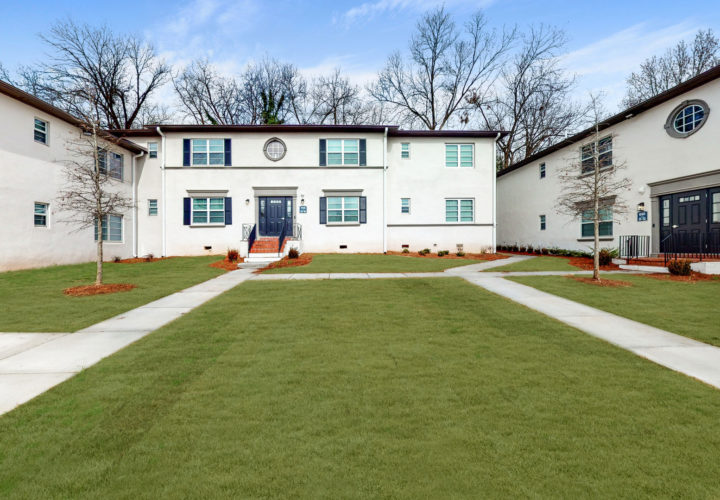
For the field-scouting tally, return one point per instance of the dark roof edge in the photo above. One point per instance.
(37, 103)
(447, 133)
(631, 112)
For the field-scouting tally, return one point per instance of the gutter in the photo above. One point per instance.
(162, 194)
(494, 193)
(134, 202)
(384, 180)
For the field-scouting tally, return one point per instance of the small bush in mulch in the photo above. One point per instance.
(405, 250)
(460, 254)
(443, 253)
(87, 290)
(233, 255)
(605, 257)
(679, 268)
(424, 251)
(693, 278)
(603, 283)
(293, 253)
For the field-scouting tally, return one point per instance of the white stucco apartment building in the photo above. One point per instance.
(206, 189)
(670, 145)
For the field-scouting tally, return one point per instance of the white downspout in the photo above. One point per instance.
(134, 202)
(494, 194)
(385, 136)
(163, 207)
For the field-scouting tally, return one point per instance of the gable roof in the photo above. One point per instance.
(35, 102)
(626, 114)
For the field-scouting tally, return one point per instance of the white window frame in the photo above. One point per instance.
(153, 150)
(543, 223)
(405, 150)
(342, 152)
(589, 155)
(584, 221)
(343, 210)
(460, 211)
(152, 207)
(105, 160)
(543, 170)
(404, 205)
(459, 147)
(46, 132)
(45, 213)
(106, 225)
(207, 153)
(207, 211)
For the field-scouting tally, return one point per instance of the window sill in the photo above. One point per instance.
(336, 224)
(207, 225)
(602, 238)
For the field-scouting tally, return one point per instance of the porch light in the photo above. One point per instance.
(247, 201)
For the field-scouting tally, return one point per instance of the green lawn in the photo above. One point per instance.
(539, 263)
(426, 388)
(372, 263)
(33, 300)
(689, 309)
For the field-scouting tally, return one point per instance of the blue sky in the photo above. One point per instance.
(606, 41)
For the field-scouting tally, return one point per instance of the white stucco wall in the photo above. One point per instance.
(650, 155)
(33, 172)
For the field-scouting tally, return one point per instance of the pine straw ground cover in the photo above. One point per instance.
(422, 388)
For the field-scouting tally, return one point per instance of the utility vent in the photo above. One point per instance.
(406, 246)
(343, 247)
(208, 247)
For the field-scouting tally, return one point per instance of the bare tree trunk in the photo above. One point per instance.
(596, 243)
(99, 271)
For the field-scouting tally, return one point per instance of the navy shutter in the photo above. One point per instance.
(228, 211)
(186, 152)
(323, 156)
(186, 211)
(228, 153)
(363, 210)
(323, 210)
(363, 152)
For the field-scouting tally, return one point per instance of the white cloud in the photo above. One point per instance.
(368, 10)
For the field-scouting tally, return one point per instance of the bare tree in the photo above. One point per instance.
(445, 67)
(678, 64)
(91, 193)
(120, 70)
(533, 98)
(335, 100)
(4, 73)
(591, 187)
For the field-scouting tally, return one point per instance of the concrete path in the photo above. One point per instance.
(32, 363)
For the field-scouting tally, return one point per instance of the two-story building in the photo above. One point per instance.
(670, 151)
(261, 189)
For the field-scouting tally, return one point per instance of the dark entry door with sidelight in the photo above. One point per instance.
(688, 222)
(274, 214)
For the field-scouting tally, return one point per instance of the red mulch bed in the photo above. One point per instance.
(86, 290)
(137, 260)
(584, 263)
(302, 260)
(693, 278)
(603, 283)
(226, 264)
(467, 256)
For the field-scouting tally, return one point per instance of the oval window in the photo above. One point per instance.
(274, 149)
(687, 118)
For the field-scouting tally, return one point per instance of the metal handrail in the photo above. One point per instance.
(634, 246)
(246, 230)
(281, 238)
(251, 238)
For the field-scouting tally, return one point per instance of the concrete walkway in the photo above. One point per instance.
(32, 363)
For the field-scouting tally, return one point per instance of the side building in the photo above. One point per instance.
(34, 148)
(669, 146)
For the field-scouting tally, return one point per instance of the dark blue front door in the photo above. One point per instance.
(274, 213)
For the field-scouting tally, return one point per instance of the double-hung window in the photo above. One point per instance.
(405, 205)
(41, 213)
(208, 151)
(542, 170)
(405, 150)
(459, 210)
(459, 155)
(605, 215)
(111, 164)
(343, 151)
(543, 225)
(112, 228)
(40, 132)
(153, 149)
(208, 211)
(343, 209)
(152, 207)
(604, 153)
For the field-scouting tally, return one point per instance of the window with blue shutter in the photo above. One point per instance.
(323, 153)
(186, 152)
(363, 152)
(228, 152)
(186, 211)
(228, 211)
(323, 210)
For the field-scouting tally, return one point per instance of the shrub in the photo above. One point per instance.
(605, 257)
(513, 248)
(149, 257)
(544, 251)
(293, 253)
(116, 259)
(460, 254)
(442, 253)
(424, 251)
(679, 267)
(405, 250)
(233, 255)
